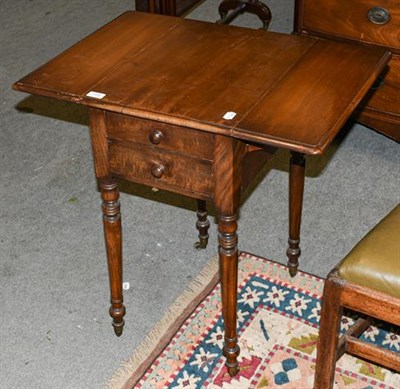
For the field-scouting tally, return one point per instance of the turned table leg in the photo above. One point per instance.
(228, 257)
(228, 156)
(113, 240)
(111, 214)
(296, 189)
(202, 224)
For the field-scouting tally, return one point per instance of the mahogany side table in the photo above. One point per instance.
(196, 108)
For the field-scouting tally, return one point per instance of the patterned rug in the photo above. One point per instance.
(278, 327)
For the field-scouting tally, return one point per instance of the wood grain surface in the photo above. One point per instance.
(285, 91)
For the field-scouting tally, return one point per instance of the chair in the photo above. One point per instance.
(238, 7)
(166, 7)
(366, 281)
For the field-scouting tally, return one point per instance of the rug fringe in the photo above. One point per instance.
(124, 372)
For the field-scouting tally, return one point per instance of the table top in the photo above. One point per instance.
(269, 88)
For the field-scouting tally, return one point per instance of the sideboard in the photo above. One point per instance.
(365, 22)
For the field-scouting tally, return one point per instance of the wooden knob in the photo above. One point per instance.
(158, 170)
(156, 137)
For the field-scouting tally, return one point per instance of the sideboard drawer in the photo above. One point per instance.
(380, 108)
(191, 142)
(161, 169)
(371, 21)
(386, 97)
(374, 22)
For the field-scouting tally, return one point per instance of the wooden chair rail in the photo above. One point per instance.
(359, 348)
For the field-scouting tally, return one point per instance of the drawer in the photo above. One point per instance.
(160, 135)
(386, 97)
(353, 19)
(161, 169)
(380, 108)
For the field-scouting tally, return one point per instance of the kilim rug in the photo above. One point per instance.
(278, 327)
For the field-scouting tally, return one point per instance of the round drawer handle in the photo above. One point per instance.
(158, 170)
(156, 137)
(378, 15)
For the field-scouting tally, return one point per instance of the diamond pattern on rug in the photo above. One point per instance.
(278, 327)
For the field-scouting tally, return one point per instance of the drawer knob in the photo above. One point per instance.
(378, 15)
(158, 170)
(156, 137)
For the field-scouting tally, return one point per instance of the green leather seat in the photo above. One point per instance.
(375, 261)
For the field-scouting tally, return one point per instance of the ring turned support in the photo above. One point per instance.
(202, 224)
(113, 239)
(296, 189)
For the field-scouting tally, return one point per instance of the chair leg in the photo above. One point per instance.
(171, 8)
(228, 5)
(152, 6)
(237, 7)
(329, 330)
(261, 10)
